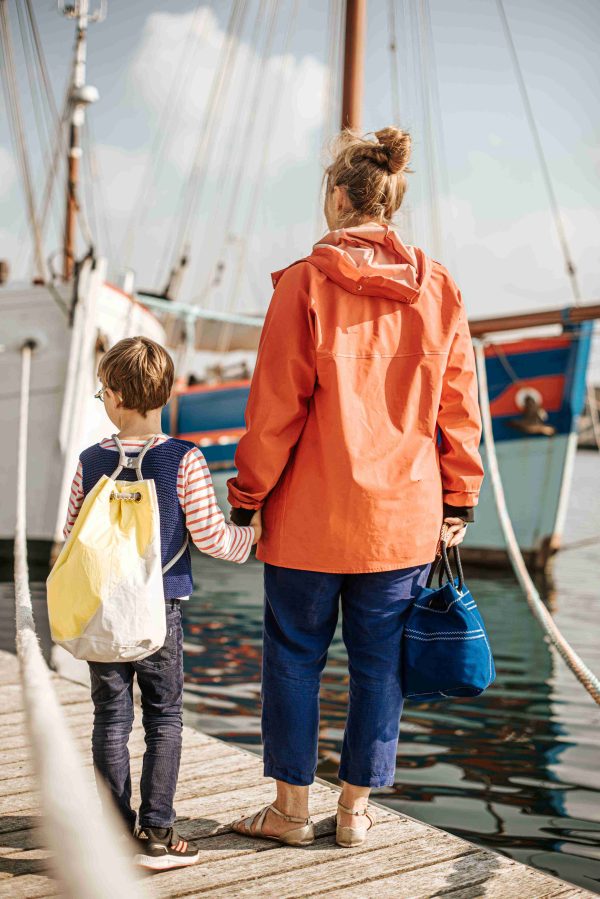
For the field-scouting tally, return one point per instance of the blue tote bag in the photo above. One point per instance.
(446, 652)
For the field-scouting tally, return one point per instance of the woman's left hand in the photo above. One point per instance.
(457, 528)
(256, 523)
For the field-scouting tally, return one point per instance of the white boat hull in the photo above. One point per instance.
(64, 417)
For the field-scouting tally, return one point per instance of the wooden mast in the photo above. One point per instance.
(81, 96)
(354, 64)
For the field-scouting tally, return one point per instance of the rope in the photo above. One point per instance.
(15, 118)
(394, 72)
(170, 114)
(224, 341)
(545, 169)
(583, 674)
(87, 858)
(216, 238)
(191, 191)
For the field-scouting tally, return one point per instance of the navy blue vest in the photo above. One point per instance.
(160, 464)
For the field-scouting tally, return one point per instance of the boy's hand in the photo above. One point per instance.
(256, 523)
(456, 530)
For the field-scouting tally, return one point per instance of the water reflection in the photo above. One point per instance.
(516, 770)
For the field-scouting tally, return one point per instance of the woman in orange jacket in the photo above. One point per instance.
(362, 437)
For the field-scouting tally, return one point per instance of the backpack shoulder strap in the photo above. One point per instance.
(130, 461)
(177, 555)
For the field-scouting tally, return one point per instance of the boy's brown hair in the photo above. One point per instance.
(141, 371)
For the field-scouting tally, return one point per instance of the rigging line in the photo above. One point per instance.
(58, 157)
(255, 89)
(44, 108)
(425, 67)
(331, 90)
(18, 133)
(442, 156)
(88, 186)
(41, 123)
(42, 62)
(169, 113)
(394, 72)
(56, 138)
(545, 169)
(337, 109)
(98, 181)
(192, 189)
(552, 198)
(226, 334)
(247, 100)
(173, 249)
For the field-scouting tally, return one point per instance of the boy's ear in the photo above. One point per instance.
(117, 397)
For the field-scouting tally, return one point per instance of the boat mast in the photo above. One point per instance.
(354, 64)
(81, 95)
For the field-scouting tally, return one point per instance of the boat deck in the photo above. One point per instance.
(218, 783)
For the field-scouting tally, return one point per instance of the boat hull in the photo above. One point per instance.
(64, 417)
(536, 468)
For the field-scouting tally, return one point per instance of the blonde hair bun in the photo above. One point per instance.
(372, 171)
(397, 146)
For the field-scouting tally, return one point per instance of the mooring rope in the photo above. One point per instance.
(575, 663)
(88, 855)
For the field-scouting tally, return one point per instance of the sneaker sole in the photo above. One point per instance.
(164, 862)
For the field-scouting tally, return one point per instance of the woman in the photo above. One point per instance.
(362, 438)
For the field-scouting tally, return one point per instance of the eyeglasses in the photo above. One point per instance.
(100, 394)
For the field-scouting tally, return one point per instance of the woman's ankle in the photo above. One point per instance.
(292, 800)
(354, 798)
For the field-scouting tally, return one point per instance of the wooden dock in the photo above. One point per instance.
(403, 858)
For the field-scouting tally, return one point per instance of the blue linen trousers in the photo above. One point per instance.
(301, 614)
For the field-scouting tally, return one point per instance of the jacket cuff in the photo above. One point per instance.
(242, 516)
(466, 513)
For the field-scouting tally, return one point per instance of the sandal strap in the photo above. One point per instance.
(349, 811)
(365, 813)
(289, 818)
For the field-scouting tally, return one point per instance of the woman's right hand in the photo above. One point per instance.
(455, 531)
(256, 524)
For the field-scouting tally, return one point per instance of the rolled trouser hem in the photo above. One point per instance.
(366, 780)
(296, 778)
(147, 823)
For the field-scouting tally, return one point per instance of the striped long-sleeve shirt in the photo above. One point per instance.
(203, 517)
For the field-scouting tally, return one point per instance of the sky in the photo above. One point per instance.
(476, 200)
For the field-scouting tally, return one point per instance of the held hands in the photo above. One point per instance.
(256, 524)
(455, 529)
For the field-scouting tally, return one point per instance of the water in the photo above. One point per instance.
(517, 770)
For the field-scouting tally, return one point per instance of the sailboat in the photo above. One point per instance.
(70, 317)
(537, 384)
(537, 381)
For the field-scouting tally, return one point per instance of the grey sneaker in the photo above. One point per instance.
(161, 848)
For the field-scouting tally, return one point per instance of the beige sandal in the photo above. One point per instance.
(252, 827)
(352, 836)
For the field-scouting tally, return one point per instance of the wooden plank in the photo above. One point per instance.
(29, 886)
(478, 874)
(219, 783)
(312, 871)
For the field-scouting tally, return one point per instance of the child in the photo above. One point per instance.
(137, 377)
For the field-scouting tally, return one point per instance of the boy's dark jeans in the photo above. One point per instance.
(160, 678)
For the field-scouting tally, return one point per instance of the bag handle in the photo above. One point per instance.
(442, 563)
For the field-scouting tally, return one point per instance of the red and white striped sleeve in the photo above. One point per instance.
(204, 519)
(75, 501)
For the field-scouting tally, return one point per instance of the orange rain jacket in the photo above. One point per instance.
(363, 415)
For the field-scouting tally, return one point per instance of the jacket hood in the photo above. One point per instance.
(371, 260)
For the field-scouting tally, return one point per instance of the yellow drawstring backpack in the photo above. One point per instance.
(105, 592)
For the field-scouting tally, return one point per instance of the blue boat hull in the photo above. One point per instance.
(536, 467)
